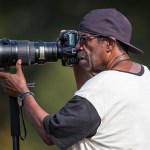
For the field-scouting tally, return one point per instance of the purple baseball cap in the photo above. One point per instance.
(110, 23)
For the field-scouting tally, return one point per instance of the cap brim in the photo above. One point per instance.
(133, 49)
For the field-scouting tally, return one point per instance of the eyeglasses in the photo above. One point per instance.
(83, 38)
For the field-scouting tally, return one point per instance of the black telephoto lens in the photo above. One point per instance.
(40, 52)
(28, 52)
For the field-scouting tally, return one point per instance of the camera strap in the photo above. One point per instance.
(22, 122)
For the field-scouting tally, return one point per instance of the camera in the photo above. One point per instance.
(40, 52)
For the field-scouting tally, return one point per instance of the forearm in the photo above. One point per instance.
(81, 76)
(34, 112)
(36, 115)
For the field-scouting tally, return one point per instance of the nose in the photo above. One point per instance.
(79, 46)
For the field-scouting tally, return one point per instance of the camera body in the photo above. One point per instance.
(40, 52)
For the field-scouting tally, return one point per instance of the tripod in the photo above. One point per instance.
(14, 122)
(14, 118)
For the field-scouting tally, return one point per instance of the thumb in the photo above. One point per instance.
(18, 66)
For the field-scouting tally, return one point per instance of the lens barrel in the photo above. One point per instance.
(29, 52)
(40, 52)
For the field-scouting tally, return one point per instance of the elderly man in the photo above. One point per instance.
(110, 109)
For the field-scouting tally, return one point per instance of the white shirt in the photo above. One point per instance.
(122, 101)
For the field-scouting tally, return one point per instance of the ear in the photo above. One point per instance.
(110, 45)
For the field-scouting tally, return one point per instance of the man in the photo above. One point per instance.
(111, 108)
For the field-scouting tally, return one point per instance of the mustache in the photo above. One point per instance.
(82, 55)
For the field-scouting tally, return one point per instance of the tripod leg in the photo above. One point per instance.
(14, 122)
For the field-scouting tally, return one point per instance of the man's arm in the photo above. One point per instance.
(14, 85)
(81, 76)
(36, 115)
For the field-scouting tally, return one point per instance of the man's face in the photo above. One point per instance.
(91, 53)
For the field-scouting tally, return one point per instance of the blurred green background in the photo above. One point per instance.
(42, 20)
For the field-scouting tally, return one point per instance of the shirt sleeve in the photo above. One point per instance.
(78, 119)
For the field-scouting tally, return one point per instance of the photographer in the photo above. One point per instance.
(111, 107)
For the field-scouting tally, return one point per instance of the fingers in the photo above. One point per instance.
(6, 85)
(4, 75)
(13, 84)
(19, 62)
(8, 88)
(62, 31)
(18, 67)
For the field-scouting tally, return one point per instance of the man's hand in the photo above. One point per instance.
(14, 84)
